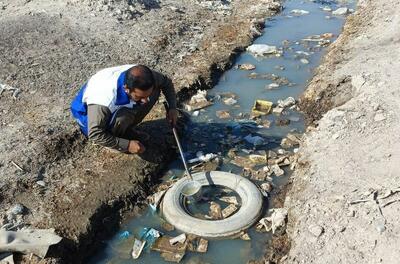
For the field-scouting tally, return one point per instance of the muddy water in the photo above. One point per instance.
(206, 131)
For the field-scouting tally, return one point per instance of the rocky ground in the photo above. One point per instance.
(48, 49)
(345, 200)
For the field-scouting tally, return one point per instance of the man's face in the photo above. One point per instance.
(138, 95)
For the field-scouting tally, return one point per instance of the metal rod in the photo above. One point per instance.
(180, 150)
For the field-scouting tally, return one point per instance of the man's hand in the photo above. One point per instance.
(136, 147)
(172, 116)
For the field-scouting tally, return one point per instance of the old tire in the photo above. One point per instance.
(245, 217)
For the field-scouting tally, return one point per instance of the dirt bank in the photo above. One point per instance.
(340, 203)
(47, 50)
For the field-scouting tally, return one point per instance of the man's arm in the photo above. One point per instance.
(167, 88)
(98, 118)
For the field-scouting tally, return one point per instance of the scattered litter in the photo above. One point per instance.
(170, 252)
(196, 113)
(204, 158)
(277, 110)
(299, 12)
(288, 102)
(327, 9)
(262, 49)
(229, 199)
(341, 11)
(272, 86)
(124, 235)
(215, 211)
(198, 101)
(230, 101)
(150, 235)
(229, 210)
(280, 67)
(35, 241)
(137, 248)
(246, 66)
(245, 236)
(269, 76)
(304, 61)
(258, 159)
(6, 258)
(223, 114)
(277, 170)
(256, 140)
(5, 87)
(178, 239)
(275, 222)
(262, 107)
(202, 246)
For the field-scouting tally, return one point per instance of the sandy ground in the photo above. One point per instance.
(48, 49)
(340, 210)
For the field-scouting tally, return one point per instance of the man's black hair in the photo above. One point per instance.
(139, 77)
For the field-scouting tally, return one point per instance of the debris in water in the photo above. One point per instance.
(137, 249)
(202, 246)
(299, 12)
(266, 186)
(277, 110)
(215, 211)
(280, 67)
(245, 236)
(256, 140)
(288, 102)
(156, 199)
(272, 86)
(204, 158)
(150, 235)
(196, 113)
(229, 199)
(229, 210)
(171, 252)
(262, 107)
(327, 9)
(304, 61)
(258, 159)
(124, 235)
(246, 66)
(282, 122)
(198, 101)
(341, 11)
(262, 50)
(172, 257)
(5, 87)
(178, 239)
(230, 101)
(223, 114)
(316, 230)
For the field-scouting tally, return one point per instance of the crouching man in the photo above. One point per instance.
(115, 100)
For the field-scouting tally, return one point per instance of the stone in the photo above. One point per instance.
(229, 199)
(262, 49)
(258, 159)
(277, 110)
(163, 245)
(341, 11)
(246, 66)
(202, 246)
(167, 227)
(272, 86)
(245, 236)
(172, 257)
(277, 170)
(288, 102)
(315, 230)
(282, 122)
(261, 107)
(229, 210)
(41, 183)
(266, 186)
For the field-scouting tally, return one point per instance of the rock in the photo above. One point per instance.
(299, 12)
(246, 66)
(266, 186)
(277, 110)
(380, 227)
(277, 170)
(341, 11)
(202, 246)
(223, 114)
(262, 49)
(258, 159)
(163, 245)
(172, 257)
(327, 9)
(196, 113)
(316, 230)
(379, 117)
(242, 162)
(198, 101)
(41, 183)
(215, 211)
(229, 210)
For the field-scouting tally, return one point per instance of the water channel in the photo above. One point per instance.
(208, 133)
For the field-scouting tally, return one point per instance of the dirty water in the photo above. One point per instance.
(210, 134)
